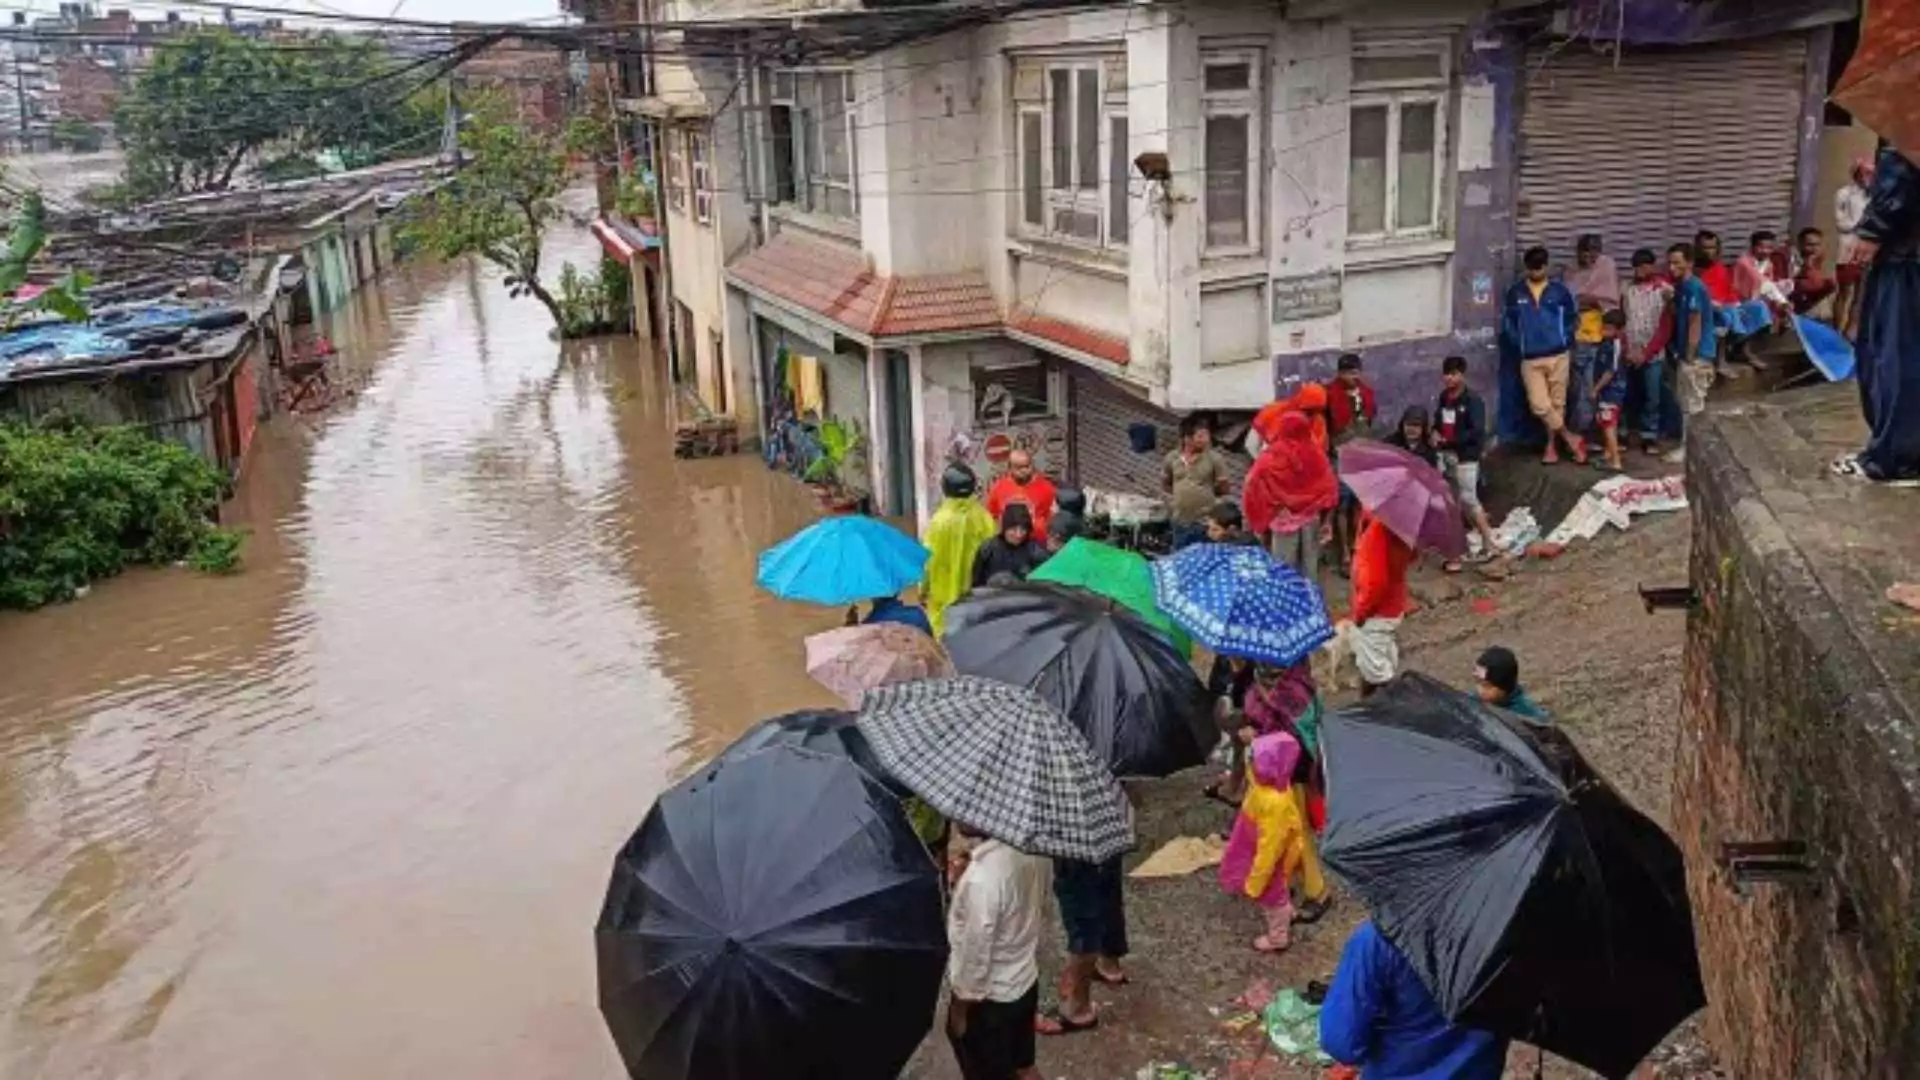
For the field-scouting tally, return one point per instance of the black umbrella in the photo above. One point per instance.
(773, 917)
(1532, 900)
(1115, 677)
(829, 731)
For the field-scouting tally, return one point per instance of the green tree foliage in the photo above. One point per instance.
(25, 239)
(80, 503)
(500, 203)
(76, 135)
(212, 100)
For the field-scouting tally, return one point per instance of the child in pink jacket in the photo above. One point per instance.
(1269, 841)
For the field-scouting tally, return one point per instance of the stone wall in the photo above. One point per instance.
(1798, 725)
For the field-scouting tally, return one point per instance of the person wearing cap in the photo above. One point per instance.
(1498, 673)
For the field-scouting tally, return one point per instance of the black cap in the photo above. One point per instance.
(1349, 362)
(1499, 667)
(958, 482)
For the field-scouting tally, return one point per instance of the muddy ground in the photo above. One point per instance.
(1608, 671)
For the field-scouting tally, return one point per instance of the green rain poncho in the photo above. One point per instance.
(953, 536)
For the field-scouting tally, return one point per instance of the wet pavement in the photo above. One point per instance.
(350, 812)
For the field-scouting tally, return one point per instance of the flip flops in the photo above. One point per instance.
(1062, 1024)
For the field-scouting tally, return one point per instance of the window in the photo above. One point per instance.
(1071, 122)
(812, 131)
(702, 177)
(1011, 393)
(1230, 107)
(675, 167)
(1396, 131)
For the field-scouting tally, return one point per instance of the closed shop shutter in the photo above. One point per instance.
(1103, 455)
(1669, 142)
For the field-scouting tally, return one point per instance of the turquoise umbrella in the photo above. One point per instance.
(842, 560)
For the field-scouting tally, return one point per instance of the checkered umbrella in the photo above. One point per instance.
(997, 758)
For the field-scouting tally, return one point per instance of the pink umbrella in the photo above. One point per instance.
(855, 659)
(1408, 495)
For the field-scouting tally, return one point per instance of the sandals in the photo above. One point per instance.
(1062, 1024)
(1122, 979)
(1313, 910)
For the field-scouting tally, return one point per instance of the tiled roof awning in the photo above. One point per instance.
(837, 284)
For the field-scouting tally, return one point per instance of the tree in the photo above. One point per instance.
(25, 240)
(212, 100)
(76, 135)
(500, 202)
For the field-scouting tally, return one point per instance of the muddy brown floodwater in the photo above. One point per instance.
(350, 813)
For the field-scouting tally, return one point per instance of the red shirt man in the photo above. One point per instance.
(1022, 485)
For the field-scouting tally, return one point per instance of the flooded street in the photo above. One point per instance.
(350, 812)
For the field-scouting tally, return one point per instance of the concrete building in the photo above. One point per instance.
(1062, 230)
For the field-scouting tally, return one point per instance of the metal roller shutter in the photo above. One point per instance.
(1103, 455)
(1669, 142)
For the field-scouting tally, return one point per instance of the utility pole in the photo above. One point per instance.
(20, 90)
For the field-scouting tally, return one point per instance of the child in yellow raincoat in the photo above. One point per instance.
(1270, 840)
(953, 537)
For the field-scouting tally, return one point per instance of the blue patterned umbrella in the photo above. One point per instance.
(841, 560)
(1240, 601)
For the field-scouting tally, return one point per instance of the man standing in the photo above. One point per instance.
(1537, 325)
(1889, 326)
(1194, 479)
(1460, 435)
(1693, 347)
(993, 970)
(1025, 486)
(1351, 411)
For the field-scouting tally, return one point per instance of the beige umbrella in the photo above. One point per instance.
(855, 659)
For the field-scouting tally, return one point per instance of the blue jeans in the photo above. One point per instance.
(1579, 416)
(1653, 390)
(1092, 906)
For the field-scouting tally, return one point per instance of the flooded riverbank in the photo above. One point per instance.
(350, 812)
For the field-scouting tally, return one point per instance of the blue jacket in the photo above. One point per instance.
(1533, 329)
(891, 609)
(1379, 1016)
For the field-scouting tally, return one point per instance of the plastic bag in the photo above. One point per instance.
(1293, 1026)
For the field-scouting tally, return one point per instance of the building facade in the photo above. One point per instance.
(1062, 231)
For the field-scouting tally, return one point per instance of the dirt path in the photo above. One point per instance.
(1609, 672)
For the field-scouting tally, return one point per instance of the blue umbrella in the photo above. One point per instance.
(1826, 348)
(1240, 601)
(842, 560)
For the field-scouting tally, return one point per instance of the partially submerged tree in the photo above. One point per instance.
(501, 201)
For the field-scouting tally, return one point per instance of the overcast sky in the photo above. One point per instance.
(429, 10)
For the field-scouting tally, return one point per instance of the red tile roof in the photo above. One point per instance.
(1070, 335)
(837, 283)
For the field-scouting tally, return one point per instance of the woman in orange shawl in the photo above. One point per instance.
(1310, 401)
(1288, 489)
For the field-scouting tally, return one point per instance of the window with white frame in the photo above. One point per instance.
(811, 130)
(675, 180)
(1397, 138)
(698, 156)
(1071, 127)
(1230, 108)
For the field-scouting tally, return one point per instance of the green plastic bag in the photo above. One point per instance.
(1293, 1026)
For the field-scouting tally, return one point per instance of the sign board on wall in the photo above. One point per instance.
(986, 449)
(1308, 296)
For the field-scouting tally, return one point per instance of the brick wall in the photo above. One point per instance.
(89, 90)
(1793, 730)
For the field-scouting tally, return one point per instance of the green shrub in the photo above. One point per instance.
(79, 503)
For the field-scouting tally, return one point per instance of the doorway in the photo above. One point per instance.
(898, 401)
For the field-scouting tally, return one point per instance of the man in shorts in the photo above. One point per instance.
(1460, 435)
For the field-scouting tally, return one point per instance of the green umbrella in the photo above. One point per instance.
(1121, 576)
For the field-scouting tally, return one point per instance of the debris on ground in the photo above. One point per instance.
(1293, 1026)
(1155, 1070)
(1616, 501)
(1181, 856)
(1906, 594)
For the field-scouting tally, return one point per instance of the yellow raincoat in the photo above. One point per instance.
(954, 536)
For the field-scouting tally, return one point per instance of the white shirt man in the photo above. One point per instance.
(993, 970)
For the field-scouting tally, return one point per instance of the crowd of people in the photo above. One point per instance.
(1268, 717)
(1597, 352)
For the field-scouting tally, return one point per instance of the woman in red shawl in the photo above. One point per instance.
(1288, 489)
(1310, 401)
